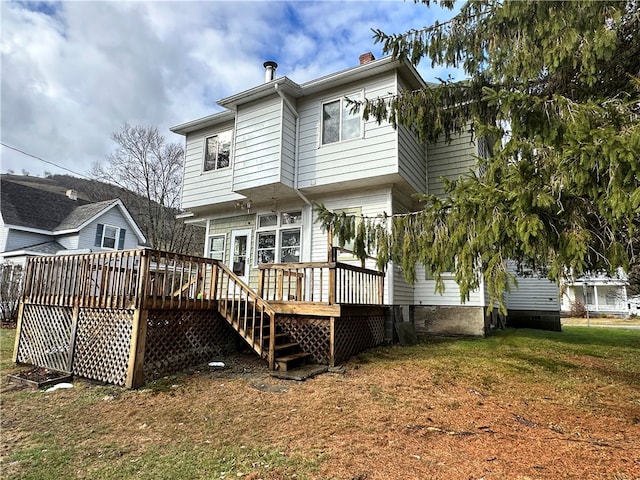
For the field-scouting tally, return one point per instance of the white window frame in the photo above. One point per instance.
(277, 230)
(343, 105)
(204, 151)
(343, 255)
(115, 239)
(224, 245)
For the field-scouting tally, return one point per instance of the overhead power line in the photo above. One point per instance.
(43, 160)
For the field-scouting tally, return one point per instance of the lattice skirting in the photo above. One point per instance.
(355, 334)
(45, 336)
(313, 335)
(180, 339)
(103, 342)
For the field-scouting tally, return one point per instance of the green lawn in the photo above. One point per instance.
(384, 417)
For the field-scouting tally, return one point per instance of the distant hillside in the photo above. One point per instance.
(96, 191)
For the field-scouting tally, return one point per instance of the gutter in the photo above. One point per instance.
(297, 149)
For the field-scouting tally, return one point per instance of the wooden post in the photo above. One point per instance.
(272, 341)
(381, 290)
(16, 342)
(135, 369)
(261, 283)
(213, 294)
(332, 284)
(280, 285)
(72, 337)
(332, 341)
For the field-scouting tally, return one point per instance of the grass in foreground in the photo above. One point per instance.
(518, 404)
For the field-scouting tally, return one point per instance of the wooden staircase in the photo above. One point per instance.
(254, 320)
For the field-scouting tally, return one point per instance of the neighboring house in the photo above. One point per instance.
(253, 171)
(600, 294)
(37, 221)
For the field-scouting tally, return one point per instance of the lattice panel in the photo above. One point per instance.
(313, 335)
(355, 334)
(180, 339)
(103, 341)
(45, 336)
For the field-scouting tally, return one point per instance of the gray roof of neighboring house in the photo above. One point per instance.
(83, 213)
(31, 207)
(46, 247)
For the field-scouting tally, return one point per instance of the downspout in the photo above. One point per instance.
(297, 149)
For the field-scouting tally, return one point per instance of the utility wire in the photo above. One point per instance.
(43, 160)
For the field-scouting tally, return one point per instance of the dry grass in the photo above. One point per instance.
(518, 405)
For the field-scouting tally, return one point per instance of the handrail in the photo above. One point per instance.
(320, 282)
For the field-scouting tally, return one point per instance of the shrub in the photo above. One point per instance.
(577, 309)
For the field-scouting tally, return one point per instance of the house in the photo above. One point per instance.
(36, 221)
(600, 294)
(254, 170)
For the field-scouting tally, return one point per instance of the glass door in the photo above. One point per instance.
(240, 253)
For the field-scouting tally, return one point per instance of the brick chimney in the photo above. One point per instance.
(366, 58)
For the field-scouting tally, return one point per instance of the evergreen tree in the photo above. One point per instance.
(553, 97)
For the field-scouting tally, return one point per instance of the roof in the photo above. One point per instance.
(295, 90)
(83, 213)
(25, 206)
(28, 207)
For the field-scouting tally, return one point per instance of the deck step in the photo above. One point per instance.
(285, 346)
(289, 361)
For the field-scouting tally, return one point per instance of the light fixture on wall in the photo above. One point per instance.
(248, 204)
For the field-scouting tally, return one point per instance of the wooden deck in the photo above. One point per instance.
(145, 310)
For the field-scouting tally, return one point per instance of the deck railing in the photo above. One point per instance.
(154, 279)
(123, 279)
(320, 282)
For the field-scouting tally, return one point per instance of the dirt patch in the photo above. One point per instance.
(38, 377)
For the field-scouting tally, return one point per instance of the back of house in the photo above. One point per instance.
(254, 171)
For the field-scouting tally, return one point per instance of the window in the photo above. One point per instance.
(109, 236)
(346, 252)
(217, 151)
(279, 237)
(216, 247)
(338, 123)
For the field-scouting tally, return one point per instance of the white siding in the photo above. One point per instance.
(70, 242)
(413, 160)
(534, 294)
(3, 237)
(412, 157)
(204, 188)
(87, 236)
(288, 147)
(17, 239)
(403, 292)
(369, 157)
(425, 292)
(449, 160)
(258, 144)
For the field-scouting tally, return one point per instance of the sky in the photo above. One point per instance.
(74, 72)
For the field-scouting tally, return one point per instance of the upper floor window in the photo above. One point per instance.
(338, 122)
(109, 236)
(217, 151)
(279, 237)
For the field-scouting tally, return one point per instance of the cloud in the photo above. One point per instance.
(74, 72)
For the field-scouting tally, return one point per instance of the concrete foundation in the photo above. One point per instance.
(463, 321)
